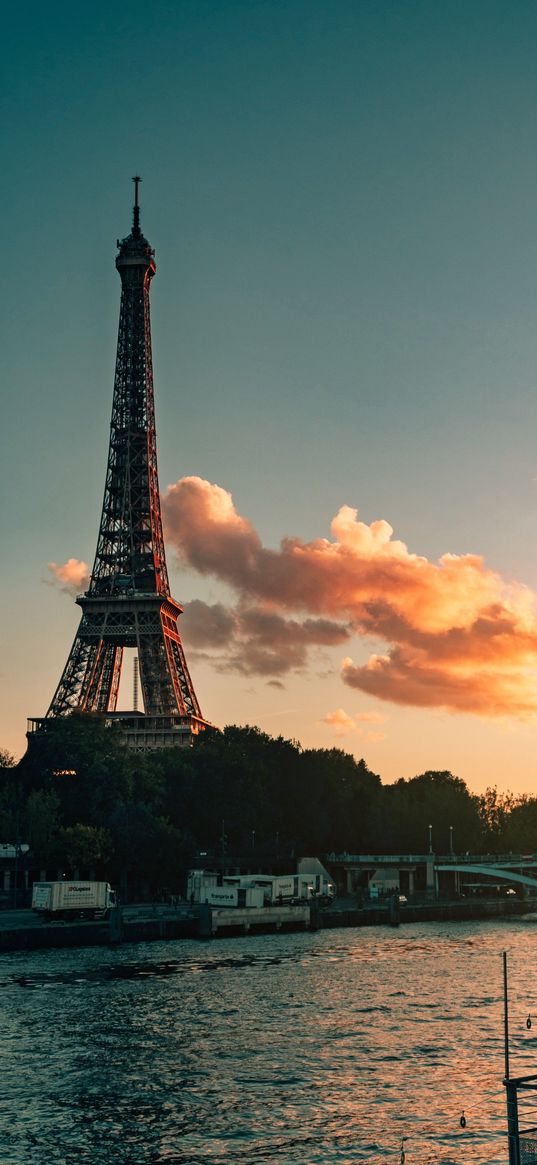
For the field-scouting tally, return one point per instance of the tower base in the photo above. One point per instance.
(141, 733)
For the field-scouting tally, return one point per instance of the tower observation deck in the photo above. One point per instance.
(128, 602)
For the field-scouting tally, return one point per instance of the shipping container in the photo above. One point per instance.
(234, 896)
(72, 899)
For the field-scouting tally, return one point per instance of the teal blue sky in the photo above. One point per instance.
(342, 198)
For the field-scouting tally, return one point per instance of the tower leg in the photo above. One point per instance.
(184, 688)
(104, 685)
(155, 680)
(76, 674)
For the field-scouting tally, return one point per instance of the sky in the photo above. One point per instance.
(341, 196)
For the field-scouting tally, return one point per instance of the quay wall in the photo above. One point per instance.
(455, 911)
(202, 923)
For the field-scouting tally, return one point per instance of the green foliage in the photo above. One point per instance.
(149, 851)
(438, 800)
(12, 807)
(495, 810)
(43, 821)
(81, 847)
(240, 777)
(337, 796)
(84, 801)
(85, 765)
(520, 826)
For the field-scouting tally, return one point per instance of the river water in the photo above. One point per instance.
(299, 1049)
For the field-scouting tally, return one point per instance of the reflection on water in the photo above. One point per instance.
(298, 1049)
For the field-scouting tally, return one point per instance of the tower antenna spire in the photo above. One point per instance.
(136, 210)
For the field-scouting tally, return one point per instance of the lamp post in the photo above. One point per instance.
(451, 841)
(17, 854)
(431, 888)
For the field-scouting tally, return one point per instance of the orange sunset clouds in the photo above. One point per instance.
(450, 634)
(453, 634)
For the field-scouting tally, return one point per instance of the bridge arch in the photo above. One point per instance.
(500, 874)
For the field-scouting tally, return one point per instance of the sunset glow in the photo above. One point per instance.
(459, 637)
(341, 202)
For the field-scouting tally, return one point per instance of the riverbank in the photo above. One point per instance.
(155, 923)
(459, 910)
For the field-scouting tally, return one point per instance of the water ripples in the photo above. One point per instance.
(308, 1049)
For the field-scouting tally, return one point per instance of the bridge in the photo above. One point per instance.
(432, 873)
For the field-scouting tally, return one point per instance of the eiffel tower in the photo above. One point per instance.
(128, 601)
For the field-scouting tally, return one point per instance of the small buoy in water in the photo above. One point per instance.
(528, 1022)
(462, 1121)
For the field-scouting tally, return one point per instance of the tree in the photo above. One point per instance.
(43, 824)
(520, 826)
(149, 852)
(83, 847)
(439, 800)
(494, 810)
(337, 796)
(12, 810)
(244, 777)
(85, 762)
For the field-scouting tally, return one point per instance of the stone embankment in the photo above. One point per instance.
(152, 923)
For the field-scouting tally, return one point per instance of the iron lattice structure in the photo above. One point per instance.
(128, 601)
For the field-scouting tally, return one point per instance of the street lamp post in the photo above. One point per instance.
(451, 840)
(431, 875)
(17, 856)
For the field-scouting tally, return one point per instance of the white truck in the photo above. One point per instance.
(277, 888)
(203, 886)
(70, 900)
(293, 888)
(259, 889)
(315, 886)
(300, 888)
(235, 896)
(282, 889)
(199, 883)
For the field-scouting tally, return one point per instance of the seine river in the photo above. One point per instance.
(296, 1049)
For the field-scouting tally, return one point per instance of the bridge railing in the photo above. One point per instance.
(378, 859)
(509, 859)
(486, 859)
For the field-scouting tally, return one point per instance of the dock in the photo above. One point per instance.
(162, 923)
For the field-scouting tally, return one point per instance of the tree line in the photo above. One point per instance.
(84, 802)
